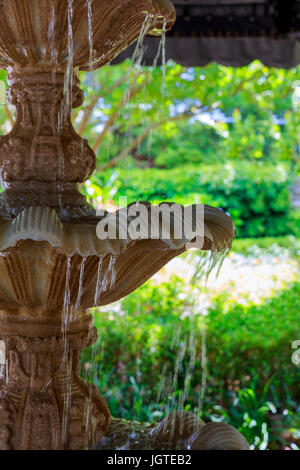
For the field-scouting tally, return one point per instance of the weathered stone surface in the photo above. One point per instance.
(44, 403)
(42, 158)
(218, 436)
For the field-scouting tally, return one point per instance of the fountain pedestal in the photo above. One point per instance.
(43, 159)
(44, 404)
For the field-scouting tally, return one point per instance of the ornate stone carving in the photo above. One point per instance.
(178, 425)
(44, 403)
(43, 148)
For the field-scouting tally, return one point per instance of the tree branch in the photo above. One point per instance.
(242, 83)
(125, 99)
(138, 140)
(90, 109)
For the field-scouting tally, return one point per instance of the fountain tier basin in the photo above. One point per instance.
(37, 33)
(41, 257)
(180, 430)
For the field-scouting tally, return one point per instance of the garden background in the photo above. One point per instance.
(221, 347)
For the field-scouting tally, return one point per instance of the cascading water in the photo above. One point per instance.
(90, 34)
(52, 42)
(98, 282)
(112, 271)
(136, 62)
(204, 372)
(209, 262)
(175, 386)
(2, 359)
(185, 347)
(163, 57)
(68, 87)
(80, 288)
(66, 317)
(135, 68)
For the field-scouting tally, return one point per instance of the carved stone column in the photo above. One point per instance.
(43, 159)
(44, 404)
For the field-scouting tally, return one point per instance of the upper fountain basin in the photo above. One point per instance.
(46, 34)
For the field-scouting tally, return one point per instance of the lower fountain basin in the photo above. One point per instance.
(189, 433)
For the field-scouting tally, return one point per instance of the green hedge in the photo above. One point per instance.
(256, 196)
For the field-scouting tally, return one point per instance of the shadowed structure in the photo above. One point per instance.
(232, 33)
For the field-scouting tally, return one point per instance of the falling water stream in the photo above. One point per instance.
(103, 279)
(99, 282)
(139, 49)
(51, 39)
(163, 57)
(136, 64)
(67, 385)
(90, 34)
(80, 287)
(66, 309)
(70, 61)
(106, 279)
(185, 347)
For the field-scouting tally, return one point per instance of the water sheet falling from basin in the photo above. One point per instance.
(90, 34)
(66, 317)
(70, 61)
(98, 282)
(80, 288)
(163, 58)
(51, 39)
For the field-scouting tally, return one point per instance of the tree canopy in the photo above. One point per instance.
(243, 112)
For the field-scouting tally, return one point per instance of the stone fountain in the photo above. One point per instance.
(53, 267)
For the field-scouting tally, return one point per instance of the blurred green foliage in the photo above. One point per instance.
(204, 114)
